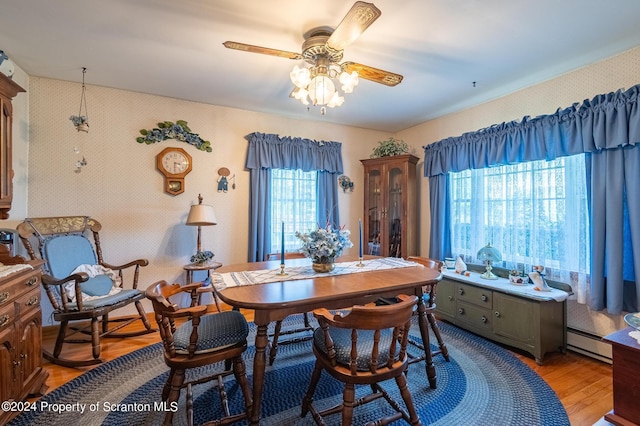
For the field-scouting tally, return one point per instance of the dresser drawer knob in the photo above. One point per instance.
(450, 298)
(4, 296)
(3, 320)
(484, 298)
(33, 301)
(460, 291)
(497, 314)
(32, 281)
(461, 311)
(485, 319)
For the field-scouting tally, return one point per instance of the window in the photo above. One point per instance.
(534, 213)
(293, 201)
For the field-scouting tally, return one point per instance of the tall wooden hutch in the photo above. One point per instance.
(390, 206)
(8, 90)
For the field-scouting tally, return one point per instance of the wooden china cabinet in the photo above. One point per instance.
(390, 206)
(8, 90)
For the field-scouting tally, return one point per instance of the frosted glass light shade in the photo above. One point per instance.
(490, 253)
(321, 89)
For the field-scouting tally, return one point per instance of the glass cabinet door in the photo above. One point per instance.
(390, 206)
(395, 212)
(375, 212)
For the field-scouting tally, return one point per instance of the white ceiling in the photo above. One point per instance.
(174, 48)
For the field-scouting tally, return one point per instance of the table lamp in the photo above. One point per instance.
(201, 215)
(489, 254)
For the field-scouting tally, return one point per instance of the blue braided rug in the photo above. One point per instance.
(483, 384)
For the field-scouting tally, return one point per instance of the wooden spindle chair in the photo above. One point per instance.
(367, 345)
(202, 340)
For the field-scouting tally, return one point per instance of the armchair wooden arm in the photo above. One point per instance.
(55, 290)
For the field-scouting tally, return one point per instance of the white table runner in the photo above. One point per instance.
(234, 279)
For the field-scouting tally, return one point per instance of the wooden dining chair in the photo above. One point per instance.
(202, 340)
(429, 298)
(277, 331)
(365, 345)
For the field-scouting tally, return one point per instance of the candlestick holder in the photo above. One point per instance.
(282, 272)
(360, 264)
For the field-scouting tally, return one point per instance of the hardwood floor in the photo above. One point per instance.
(584, 385)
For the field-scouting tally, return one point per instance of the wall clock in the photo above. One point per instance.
(174, 164)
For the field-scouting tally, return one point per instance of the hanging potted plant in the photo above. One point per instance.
(390, 147)
(81, 122)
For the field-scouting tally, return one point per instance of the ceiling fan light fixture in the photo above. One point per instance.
(322, 52)
(349, 81)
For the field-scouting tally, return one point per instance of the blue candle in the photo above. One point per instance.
(360, 237)
(282, 248)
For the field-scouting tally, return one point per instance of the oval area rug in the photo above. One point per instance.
(483, 384)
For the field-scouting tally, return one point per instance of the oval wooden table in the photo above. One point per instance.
(277, 300)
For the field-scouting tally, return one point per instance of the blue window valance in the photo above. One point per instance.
(269, 151)
(604, 122)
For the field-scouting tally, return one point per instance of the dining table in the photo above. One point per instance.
(275, 300)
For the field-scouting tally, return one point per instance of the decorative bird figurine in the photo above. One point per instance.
(539, 283)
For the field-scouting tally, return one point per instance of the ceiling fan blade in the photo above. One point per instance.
(354, 23)
(373, 74)
(259, 49)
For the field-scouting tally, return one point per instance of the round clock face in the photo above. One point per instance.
(174, 162)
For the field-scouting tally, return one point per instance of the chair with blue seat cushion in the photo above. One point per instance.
(77, 298)
(193, 338)
(429, 297)
(365, 346)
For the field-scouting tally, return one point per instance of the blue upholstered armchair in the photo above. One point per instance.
(80, 285)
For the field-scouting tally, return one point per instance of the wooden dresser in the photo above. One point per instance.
(20, 335)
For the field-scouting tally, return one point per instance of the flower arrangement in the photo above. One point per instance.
(202, 257)
(323, 245)
(169, 130)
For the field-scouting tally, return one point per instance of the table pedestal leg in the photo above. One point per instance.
(424, 333)
(259, 365)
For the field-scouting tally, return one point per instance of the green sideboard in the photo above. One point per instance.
(514, 315)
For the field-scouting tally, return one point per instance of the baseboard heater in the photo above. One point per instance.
(588, 344)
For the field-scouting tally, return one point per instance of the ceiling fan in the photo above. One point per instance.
(323, 50)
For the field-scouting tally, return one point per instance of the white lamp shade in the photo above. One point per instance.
(201, 215)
